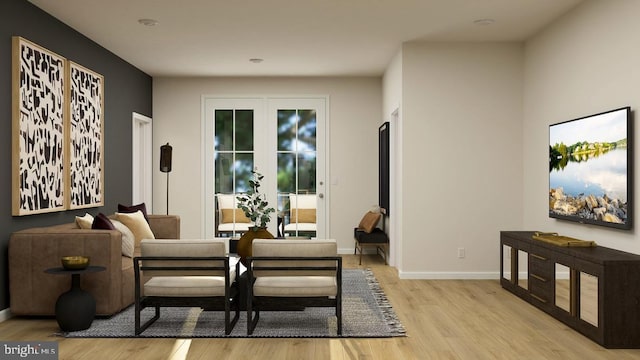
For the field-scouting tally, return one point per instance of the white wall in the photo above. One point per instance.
(392, 86)
(354, 115)
(392, 112)
(462, 135)
(586, 62)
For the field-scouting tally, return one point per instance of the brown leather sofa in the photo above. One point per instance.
(31, 251)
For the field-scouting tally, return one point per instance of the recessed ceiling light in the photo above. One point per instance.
(484, 22)
(256, 60)
(148, 22)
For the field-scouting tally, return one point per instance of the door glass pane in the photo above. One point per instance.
(297, 153)
(223, 130)
(243, 167)
(286, 173)
(234, 160)
(287, 128)
(244, 130)
(307, 130)
(307, 173)
(224, 172)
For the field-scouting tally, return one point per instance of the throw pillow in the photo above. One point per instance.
(303, 216)
(84, 222)
(137, 224)
(102, 222)
(128, 239)
(369, 221)
(133, 208)
(228, 216)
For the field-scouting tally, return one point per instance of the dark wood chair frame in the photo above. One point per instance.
(227, 303)
(274, 303)
(382, 248)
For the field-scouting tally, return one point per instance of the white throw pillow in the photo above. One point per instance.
(137, 224)
(84, 222)
(128, 239)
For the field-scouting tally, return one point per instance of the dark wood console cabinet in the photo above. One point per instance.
(594, 290)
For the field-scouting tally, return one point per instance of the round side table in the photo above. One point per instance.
(76, 308)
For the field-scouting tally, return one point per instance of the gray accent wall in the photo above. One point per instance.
(127, 90)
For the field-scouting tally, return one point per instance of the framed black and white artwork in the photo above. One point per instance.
(86, 135)
(38, 133)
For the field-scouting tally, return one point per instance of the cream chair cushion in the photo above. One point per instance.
(302, 213)
(183, 282)
(300, 282)
(295, 286)
(229, 202)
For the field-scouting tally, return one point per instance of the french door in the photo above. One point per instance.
(283, 139)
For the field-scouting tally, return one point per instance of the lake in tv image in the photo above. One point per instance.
(588, 168)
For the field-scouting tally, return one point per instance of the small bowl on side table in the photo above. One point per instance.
(74, 262)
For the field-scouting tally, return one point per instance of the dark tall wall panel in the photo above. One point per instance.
(127, 90)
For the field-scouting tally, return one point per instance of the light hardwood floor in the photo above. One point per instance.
(444, 319)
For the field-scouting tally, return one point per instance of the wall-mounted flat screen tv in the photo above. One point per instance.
(590, 169)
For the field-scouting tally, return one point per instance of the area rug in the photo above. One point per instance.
(366, 313)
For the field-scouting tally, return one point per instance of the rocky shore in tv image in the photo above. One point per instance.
(591, 207)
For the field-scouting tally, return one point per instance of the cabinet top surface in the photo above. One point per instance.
(596, 254)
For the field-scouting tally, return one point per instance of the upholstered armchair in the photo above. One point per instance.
(185, 273)
(229, 218)
(302, 214)
(286, 273)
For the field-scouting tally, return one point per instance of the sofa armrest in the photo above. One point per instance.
(165, 226)
(32, 251)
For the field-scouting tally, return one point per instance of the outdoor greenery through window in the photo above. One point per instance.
(233, 147)
(296, 153)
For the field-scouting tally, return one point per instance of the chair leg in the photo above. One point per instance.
(229, 323)
(252, 321)
(140, 328)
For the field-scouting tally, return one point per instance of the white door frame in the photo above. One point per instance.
(265, 162)
(320, 104)
(395, 184)
(142, 160)
(209, 105)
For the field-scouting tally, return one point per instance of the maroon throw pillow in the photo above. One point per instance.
(133, 208)
(102, 222)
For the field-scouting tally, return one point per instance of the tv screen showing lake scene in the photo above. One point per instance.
(589, 169)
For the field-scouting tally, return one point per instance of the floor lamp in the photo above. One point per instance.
(165, 165)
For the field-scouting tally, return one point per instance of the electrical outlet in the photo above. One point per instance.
(461, 253)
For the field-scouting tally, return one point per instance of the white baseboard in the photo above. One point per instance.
(5, 314)
(437, 275)
(345, 251)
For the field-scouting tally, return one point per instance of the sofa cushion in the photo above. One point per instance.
(102, 222)
(128, 239)
(137, 224)
(128, 209)
(84, 222)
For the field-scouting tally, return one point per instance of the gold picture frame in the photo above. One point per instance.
(85, 128)
(38, 132)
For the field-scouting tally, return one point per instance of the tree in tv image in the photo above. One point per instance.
(589, 169)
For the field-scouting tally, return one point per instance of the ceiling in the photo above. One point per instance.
(294, 37)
